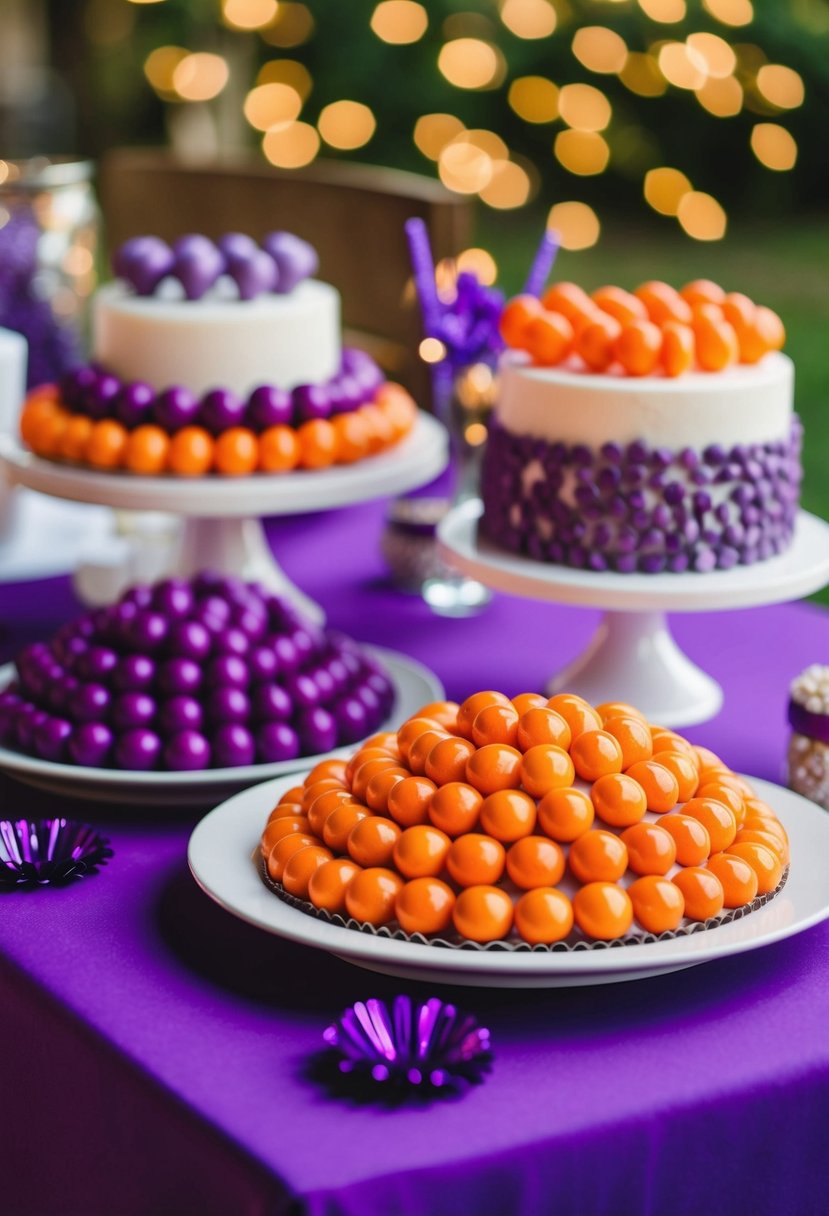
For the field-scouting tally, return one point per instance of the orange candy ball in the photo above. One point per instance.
(595, 754)
(421, 851)
(278, 449)
(739, 880)
(702, 291)
(483, 913)
(339, 824)
(516, 317)
(576, 712)
(765, 864)
(496, 724)
(335, 769)
(570, 300)
(542, 725)
(75, 438)
(317, 444)
(191, 452)
(546, 767)
(638, 347)
(145, 452)
(353, 437)
(475, 859)
(494, 767)
(413, 729)
(284, 826)
(619, 800)
(445, 713)
(283, 851)
(684, 770)
(447, 760)
(371, 841)
(678, 349)
(622, 305)
(598, 856)
(703, 892)
(549, 338)
(717, 345)
(595, 341)
(543, 916)
(660, 785)
(424, 905)
(633, 737)
(651, 850)
(693, 844)
(717, 819)
(410, 799)
(565, 814)
(663, 304)
(658, 903)
(529, 700)
(603, 911)
(455, 808)
(535, 861)
(329, 882)
(106, 444)
(299, 868)
(508, 815)
(379, 788)
(285, 810)
(422, 746)
(371, 895)
(236, 452)
(472, 706)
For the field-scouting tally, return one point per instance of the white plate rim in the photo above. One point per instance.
(235, 885)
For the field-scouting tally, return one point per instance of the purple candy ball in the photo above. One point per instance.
(98, 663)
(91, 703)
(233, 746)
(228, 704)
(180, 713)
(263, 664)
(303, 689)
(138, 750)
(345, 393)
(102, 397)
(140, 595)
(220, 410)
(227, 670)
(179, 676)
(352, 719)
(173, 597)
(232, 641)
(176, 408)
(197, 264)
(286, 652)
(271, 703)
(189, 640)
(295, 259)
(254, 275)
(134, 404)
(134, 673)
(147, 631)
(187, 751)
(370, 701)
(143, 261)
(237, 245)
(269, 406)
(276, 741)
(76, 384)
(52, 738)
(311, 401)
(317, 730)
(90, 744)
(62, 694)
(133, 709)
(251, 622)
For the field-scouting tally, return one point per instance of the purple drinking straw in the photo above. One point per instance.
(542, 262)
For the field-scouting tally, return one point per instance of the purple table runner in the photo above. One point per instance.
(155, 1047)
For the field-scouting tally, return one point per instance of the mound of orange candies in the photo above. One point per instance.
(533, 819)
(56, 433)
(651, 331)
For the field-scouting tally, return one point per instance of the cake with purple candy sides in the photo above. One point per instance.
(188, 675)
(217, 357)
(643, 432)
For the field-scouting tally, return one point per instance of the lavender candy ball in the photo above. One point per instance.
(269, 406)
(189, 640)
(188, 751)
(101, 398)
(143, 261)
(173, 597)
(91, 703)
(133, 709)
(233, 746)
(138, 749)
(220, 409)
(148, 631)
(311, 401)
(98, 664)
(91, 744)
(179, 676)
(228, 670)
(52, 738)
(134, 404)
(180, 713)
(236, 245)
(254, 275)
(197, 264)
(228, 704)
(317, 730)
(176, 408)
(134, 673)
(276, 741)
(271, 703)
(295, 259)
(351, 717)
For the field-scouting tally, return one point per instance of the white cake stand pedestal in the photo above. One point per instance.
(633, 656)
(222, 529)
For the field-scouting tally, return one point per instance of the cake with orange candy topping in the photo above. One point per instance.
(534, 822)
(219, 358)
(645, 431)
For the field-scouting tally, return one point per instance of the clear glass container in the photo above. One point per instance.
(49, 233)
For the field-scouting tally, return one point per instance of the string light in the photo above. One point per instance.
(200, 76)
(432, 350)
(475, 434)
(600, 49)
(582, 152)
(488, 142)
(584, 107)
(665, 188)
(346, 124)
(774, 146)
(399, 21)
(434, 131)
(682, 66)
(248, 14)
(293, 25)
(160, 65)
(576, 223)
(479, 262)
(269, 104)
(718, 57)
(666, 12)
(287, 71)
(722, 98)
(508, 188)
(534, 98)
(701, 216)
(290, 145)
(471, 63)
(730, 12)
(529, 18)
(780, 85)
(464, 168)
(642, 76)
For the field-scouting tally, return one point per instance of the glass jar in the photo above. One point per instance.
(49, 231)
(808, 757)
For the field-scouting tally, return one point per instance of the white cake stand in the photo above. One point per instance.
(222, 529)
(633, 657)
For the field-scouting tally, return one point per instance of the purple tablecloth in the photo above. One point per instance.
(155, 1049)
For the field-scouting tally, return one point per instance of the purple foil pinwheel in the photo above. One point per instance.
(428, 1044)
(35, 852)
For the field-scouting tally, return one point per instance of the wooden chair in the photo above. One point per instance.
(353, 215)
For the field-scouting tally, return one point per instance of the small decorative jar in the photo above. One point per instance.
(49, 227)
(808, 759)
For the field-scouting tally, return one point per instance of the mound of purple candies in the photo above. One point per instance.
(97, 393)
(192, 674)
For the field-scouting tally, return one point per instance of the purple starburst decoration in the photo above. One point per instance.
(424, 1044)
(35, 852)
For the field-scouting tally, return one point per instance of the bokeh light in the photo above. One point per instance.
(346, 124)
(701, 216)
(780, 85)
(290, 145)
(534, 98)
(722, 98)
(434, 131)
(584, 107)
(479, 262)
(730, 12)
(269, 104)
(600, 49)
(664, 189)
(200, 76)
(509, 186)
(718, 57)
(487, 141)
(576, 223)
(666, 12)
(642, 75)
(432, 350)
(160, 65)
(582, 152)
(464, 168)
(399, 21)
(774, 146)
(529, 18)
(293, 25)
(471, 63)
(248, 14)
(682, 66)
(287, 71)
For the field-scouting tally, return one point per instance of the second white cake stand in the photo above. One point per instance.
(222, 528)
(633, 656)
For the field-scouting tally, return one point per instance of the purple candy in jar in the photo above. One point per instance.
(311, 401)
(295, 259)
(101, 398)
(227, 670)
(189, 640)
(233, 746)
(179, 676)
(98, 663)
(52, 739)
(133, 709)
(180, 713)
(197, 264)
(173, 597)
(269, 406)
(276, 741)
(220, 410)
(138, 750)
(134, 673)
(91, 703)
(143, 261)
(271, 703)
(134, 404)
(75, 386)
(317, 730)
(351, 717)
(176, 408)
(90, 744)
(228, 704)
(188, 751)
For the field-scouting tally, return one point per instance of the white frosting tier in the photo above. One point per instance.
(218, 342)
(745, 404)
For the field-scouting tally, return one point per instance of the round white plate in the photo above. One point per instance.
(418, 458)
(414, 685)
(802, 569)
(221, 856)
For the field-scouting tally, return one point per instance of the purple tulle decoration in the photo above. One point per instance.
(426, 1044)
(34, 852)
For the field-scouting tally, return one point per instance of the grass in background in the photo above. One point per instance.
(784, 267)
